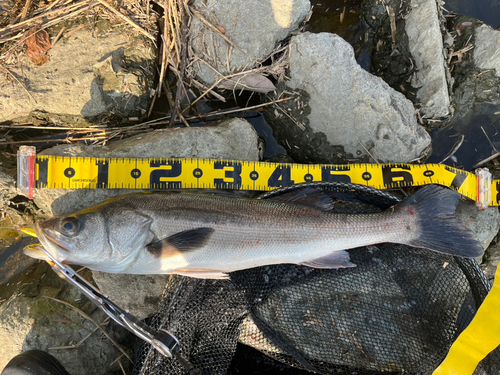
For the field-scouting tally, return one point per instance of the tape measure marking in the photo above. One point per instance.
(162, 174)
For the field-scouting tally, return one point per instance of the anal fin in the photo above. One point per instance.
(203, 274)
(337, 259)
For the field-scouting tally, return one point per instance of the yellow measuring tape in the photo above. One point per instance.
(480, 338)
(126, 173)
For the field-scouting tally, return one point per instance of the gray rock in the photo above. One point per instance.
(425, 41)
(491, 260)
(231, 139)
(487, 49)
(125, 289)
(28, 320)
(7, 189)
(343, 105)
(85, 76)
(255, 26)
(485, 223)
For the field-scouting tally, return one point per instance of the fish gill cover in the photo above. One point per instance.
(397, 312)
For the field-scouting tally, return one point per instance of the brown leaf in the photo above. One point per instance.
(252, 82)
(37, 45)
(462, 25)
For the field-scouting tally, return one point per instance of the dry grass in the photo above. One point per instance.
(169, 29)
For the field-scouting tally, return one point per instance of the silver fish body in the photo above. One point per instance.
(208, 236)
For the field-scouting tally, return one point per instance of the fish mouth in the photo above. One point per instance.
(51, 243)
(35, 251)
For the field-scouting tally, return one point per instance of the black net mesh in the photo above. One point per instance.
(397, 312)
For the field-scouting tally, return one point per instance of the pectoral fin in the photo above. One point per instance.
(338, 259)
(178, 243)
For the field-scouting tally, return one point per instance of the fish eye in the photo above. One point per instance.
(70, 226)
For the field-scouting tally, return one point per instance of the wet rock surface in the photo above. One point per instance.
(30, 319)
(475, 97)
(345, 107)
(88, 75)
(254, 26)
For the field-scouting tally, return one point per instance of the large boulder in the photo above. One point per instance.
(89, 74)
(254, 26)
(343, 111)
(230, 139)
(411, 52)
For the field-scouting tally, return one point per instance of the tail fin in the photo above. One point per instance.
(440, 231)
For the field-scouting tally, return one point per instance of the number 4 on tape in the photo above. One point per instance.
(480, 338)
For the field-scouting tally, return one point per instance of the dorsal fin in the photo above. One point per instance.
(307, 196)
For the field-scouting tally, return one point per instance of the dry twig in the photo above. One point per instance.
(454, 149)
(93, 321)
(214, 29)
(127, 20)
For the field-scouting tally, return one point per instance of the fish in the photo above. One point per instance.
(210, 236)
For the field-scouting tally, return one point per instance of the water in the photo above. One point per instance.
(343, 17)
(476, 146)
(487, 11)
(12, 261)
